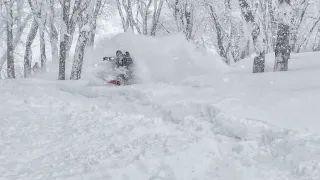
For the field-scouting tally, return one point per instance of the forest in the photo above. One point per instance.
(235, 29)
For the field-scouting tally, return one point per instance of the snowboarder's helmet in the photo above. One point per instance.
(118, 53)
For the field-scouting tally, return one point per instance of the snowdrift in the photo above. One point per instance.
(168, 59)
(64, 130)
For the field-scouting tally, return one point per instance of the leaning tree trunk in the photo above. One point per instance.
(259, 60)
(283, 50)
(53, 34)
(68, 29)
(78, 56)
(123, 20)
(43, 50)
(143, 8)
(28, 52)
(155, 17)
(16, 40)
(10, 48)
(92, 33)
(222, 50)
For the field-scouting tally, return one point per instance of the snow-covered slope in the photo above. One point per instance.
(208, 125)
(53, 130)
(288, 99)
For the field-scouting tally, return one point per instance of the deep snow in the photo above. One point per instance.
(168, 59)
(213, 123)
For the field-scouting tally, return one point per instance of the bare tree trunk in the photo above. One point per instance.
(10, 48)
(156, 16)
(16, 39)
(123, 20)
(177, 14)
(92, 33)
(283, 49)
(259, 60)
(63, 42)
(294, 33)
(43, 17)
(189, 21)
(309, 34)
(263, 8)
(133, 23)
(87, 26)
(272, 25)
(28, 52)
(128, 9)
(127, 19)
(222, 50)
(43, 51)
(144, 12)
(78, 56)
(62, 57)
(53, 34)
(316, 46)
(40, 15)
(69, 26)
(184, 13)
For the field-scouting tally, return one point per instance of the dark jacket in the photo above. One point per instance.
(124, 62)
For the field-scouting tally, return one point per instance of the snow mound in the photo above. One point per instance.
(167, 59)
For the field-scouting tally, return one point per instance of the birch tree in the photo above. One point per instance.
(87, 26)
(17, 38)
(10, 46)
(53, 32)
(184, 16)
(222, 49)
(70, 19)
(126, 14)
(144, 12)
(300, 12)
(157, 7)
(42, 27)
(314, 25)
(28, 52)
(257, 39)
(39, 10)
(92, 33)
(283, 48)
(125, 10)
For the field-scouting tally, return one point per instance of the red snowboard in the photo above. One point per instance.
(115, 82)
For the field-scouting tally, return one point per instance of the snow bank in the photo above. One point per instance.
(169, 59)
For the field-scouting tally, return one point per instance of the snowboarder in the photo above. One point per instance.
(124, 62)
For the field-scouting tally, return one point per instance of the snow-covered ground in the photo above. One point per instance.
(208, 122)
(288, 99)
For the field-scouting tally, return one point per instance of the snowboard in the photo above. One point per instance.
(115, 82)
